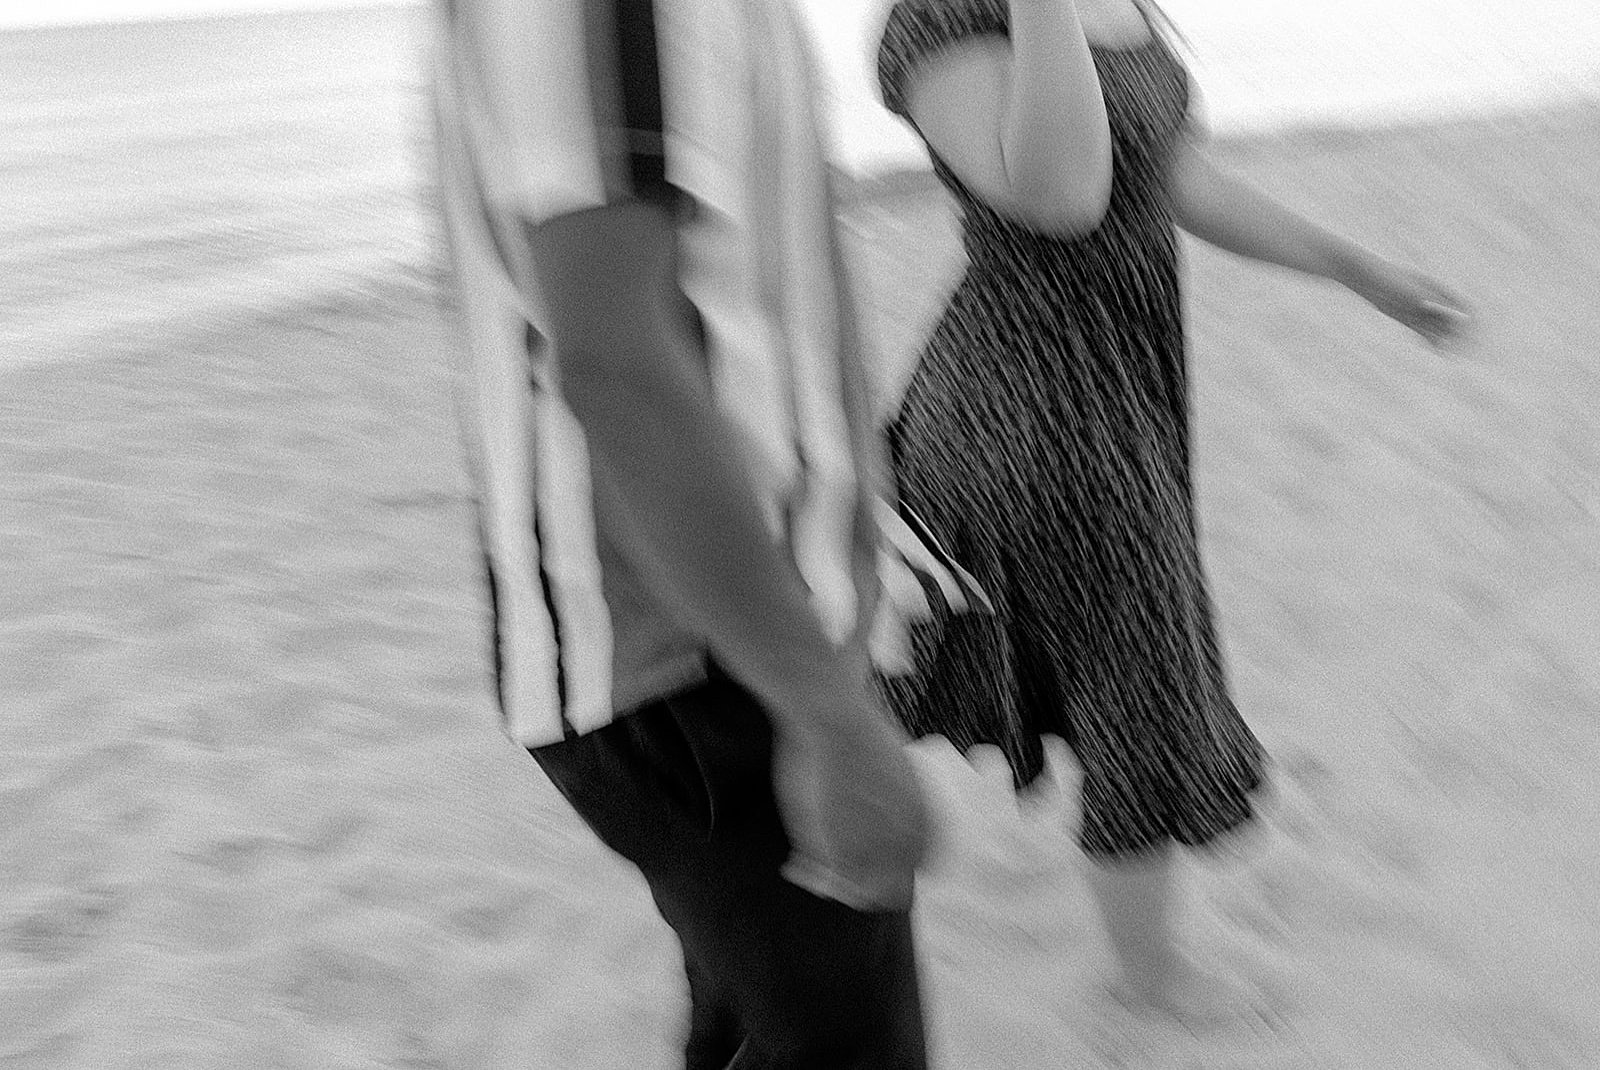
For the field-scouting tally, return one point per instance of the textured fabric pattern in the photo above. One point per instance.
(1044, 438)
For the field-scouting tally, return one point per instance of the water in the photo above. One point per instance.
(163, 177)
(171, 176)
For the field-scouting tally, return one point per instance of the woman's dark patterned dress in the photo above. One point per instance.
(1045, 439)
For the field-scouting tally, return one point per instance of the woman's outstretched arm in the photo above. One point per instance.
(1223, 210)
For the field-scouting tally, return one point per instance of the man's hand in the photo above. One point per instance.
(854, 810)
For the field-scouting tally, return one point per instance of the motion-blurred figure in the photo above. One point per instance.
(1044, 436)
(676, 466)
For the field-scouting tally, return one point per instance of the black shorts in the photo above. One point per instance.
(778, 977)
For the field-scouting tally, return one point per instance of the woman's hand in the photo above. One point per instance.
(1411, 299)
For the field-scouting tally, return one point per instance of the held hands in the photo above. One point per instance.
(1411, 299)
(854, 809)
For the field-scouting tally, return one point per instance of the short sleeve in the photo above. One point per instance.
(918, 29)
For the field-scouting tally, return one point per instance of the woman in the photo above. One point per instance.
(1044, 435)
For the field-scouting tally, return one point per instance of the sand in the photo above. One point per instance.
(257, 811)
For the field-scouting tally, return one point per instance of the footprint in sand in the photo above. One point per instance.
(51, 970)
(380, 974)
(239, 856)
(494, 916)
(63, 926)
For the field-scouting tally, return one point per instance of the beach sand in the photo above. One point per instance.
(257, 810)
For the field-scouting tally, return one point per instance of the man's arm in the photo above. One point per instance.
(671, 477)
(666, 463)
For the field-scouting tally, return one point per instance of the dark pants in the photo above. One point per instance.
(778, 977)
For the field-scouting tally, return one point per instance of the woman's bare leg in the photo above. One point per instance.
(1139, 900)
(1135, 897)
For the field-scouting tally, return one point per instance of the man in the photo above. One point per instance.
(677, 472)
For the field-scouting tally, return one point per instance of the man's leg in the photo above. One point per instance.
(816, 986)
(683, 790)
(714, 1031)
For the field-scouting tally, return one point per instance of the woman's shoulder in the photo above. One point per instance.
(916, 29)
